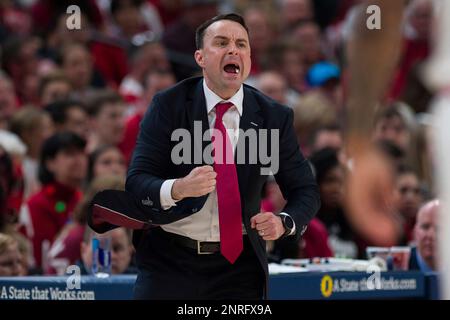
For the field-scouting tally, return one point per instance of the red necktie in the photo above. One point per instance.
(228, 196)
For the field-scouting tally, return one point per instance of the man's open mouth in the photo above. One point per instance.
(232, 68)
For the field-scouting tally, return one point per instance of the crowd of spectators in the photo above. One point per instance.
(71, 101)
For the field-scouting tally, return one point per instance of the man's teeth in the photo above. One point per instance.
(236, 70)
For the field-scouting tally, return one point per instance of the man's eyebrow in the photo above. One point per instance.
(221, 38)
(226, 38)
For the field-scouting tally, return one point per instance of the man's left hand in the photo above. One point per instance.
(268, 225)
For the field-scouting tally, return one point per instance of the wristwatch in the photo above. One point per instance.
(288, 223)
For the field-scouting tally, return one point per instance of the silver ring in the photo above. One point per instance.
(262, 232)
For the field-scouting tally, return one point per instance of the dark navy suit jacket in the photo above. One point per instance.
(151, 165)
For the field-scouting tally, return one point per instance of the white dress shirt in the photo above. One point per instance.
(204, 225)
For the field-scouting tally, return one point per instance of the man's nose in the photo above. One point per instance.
(232, 49)
(390, 134)
(430, 234)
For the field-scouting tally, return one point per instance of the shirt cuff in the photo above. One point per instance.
(165, 194)
(294, 228)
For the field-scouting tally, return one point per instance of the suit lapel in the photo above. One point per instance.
(250, 119)
(198, 122)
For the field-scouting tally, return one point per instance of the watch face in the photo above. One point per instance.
(288, 222)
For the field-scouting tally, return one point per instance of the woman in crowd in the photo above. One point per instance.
(62, 170)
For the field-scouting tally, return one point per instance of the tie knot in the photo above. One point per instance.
(221, 108)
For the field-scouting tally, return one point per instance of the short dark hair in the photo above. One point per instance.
(57, 76)
(52, 146)
(102, 98)
(200, 32)
(334, 127)
(93, 157)
(389, 112)
(323, 161)
(58, 110)
(117, 5)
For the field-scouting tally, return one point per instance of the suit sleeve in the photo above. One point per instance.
(151, 157)
(295, 178)
(151, 167)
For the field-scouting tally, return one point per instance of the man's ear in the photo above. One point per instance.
(198, 55)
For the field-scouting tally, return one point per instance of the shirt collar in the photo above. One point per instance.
(212, 99)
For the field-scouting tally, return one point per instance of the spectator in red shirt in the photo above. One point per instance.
(150, 56)
(314, 242)
(155, 81)
(62, 170)
(416, 43)
(20, 60)
(109, 57)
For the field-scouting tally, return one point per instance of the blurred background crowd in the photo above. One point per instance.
(71, 102)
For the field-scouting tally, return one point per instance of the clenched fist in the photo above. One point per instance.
(268, 225)
(200, 181)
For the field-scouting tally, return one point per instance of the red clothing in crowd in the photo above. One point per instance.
(315, 241)
(45, 214)
(408, 229)
(130, 136)
(15, 195)
(166, 14)
(110, 61)
(414, 51)
(66, 249)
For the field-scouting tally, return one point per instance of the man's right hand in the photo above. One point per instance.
(200, 181)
